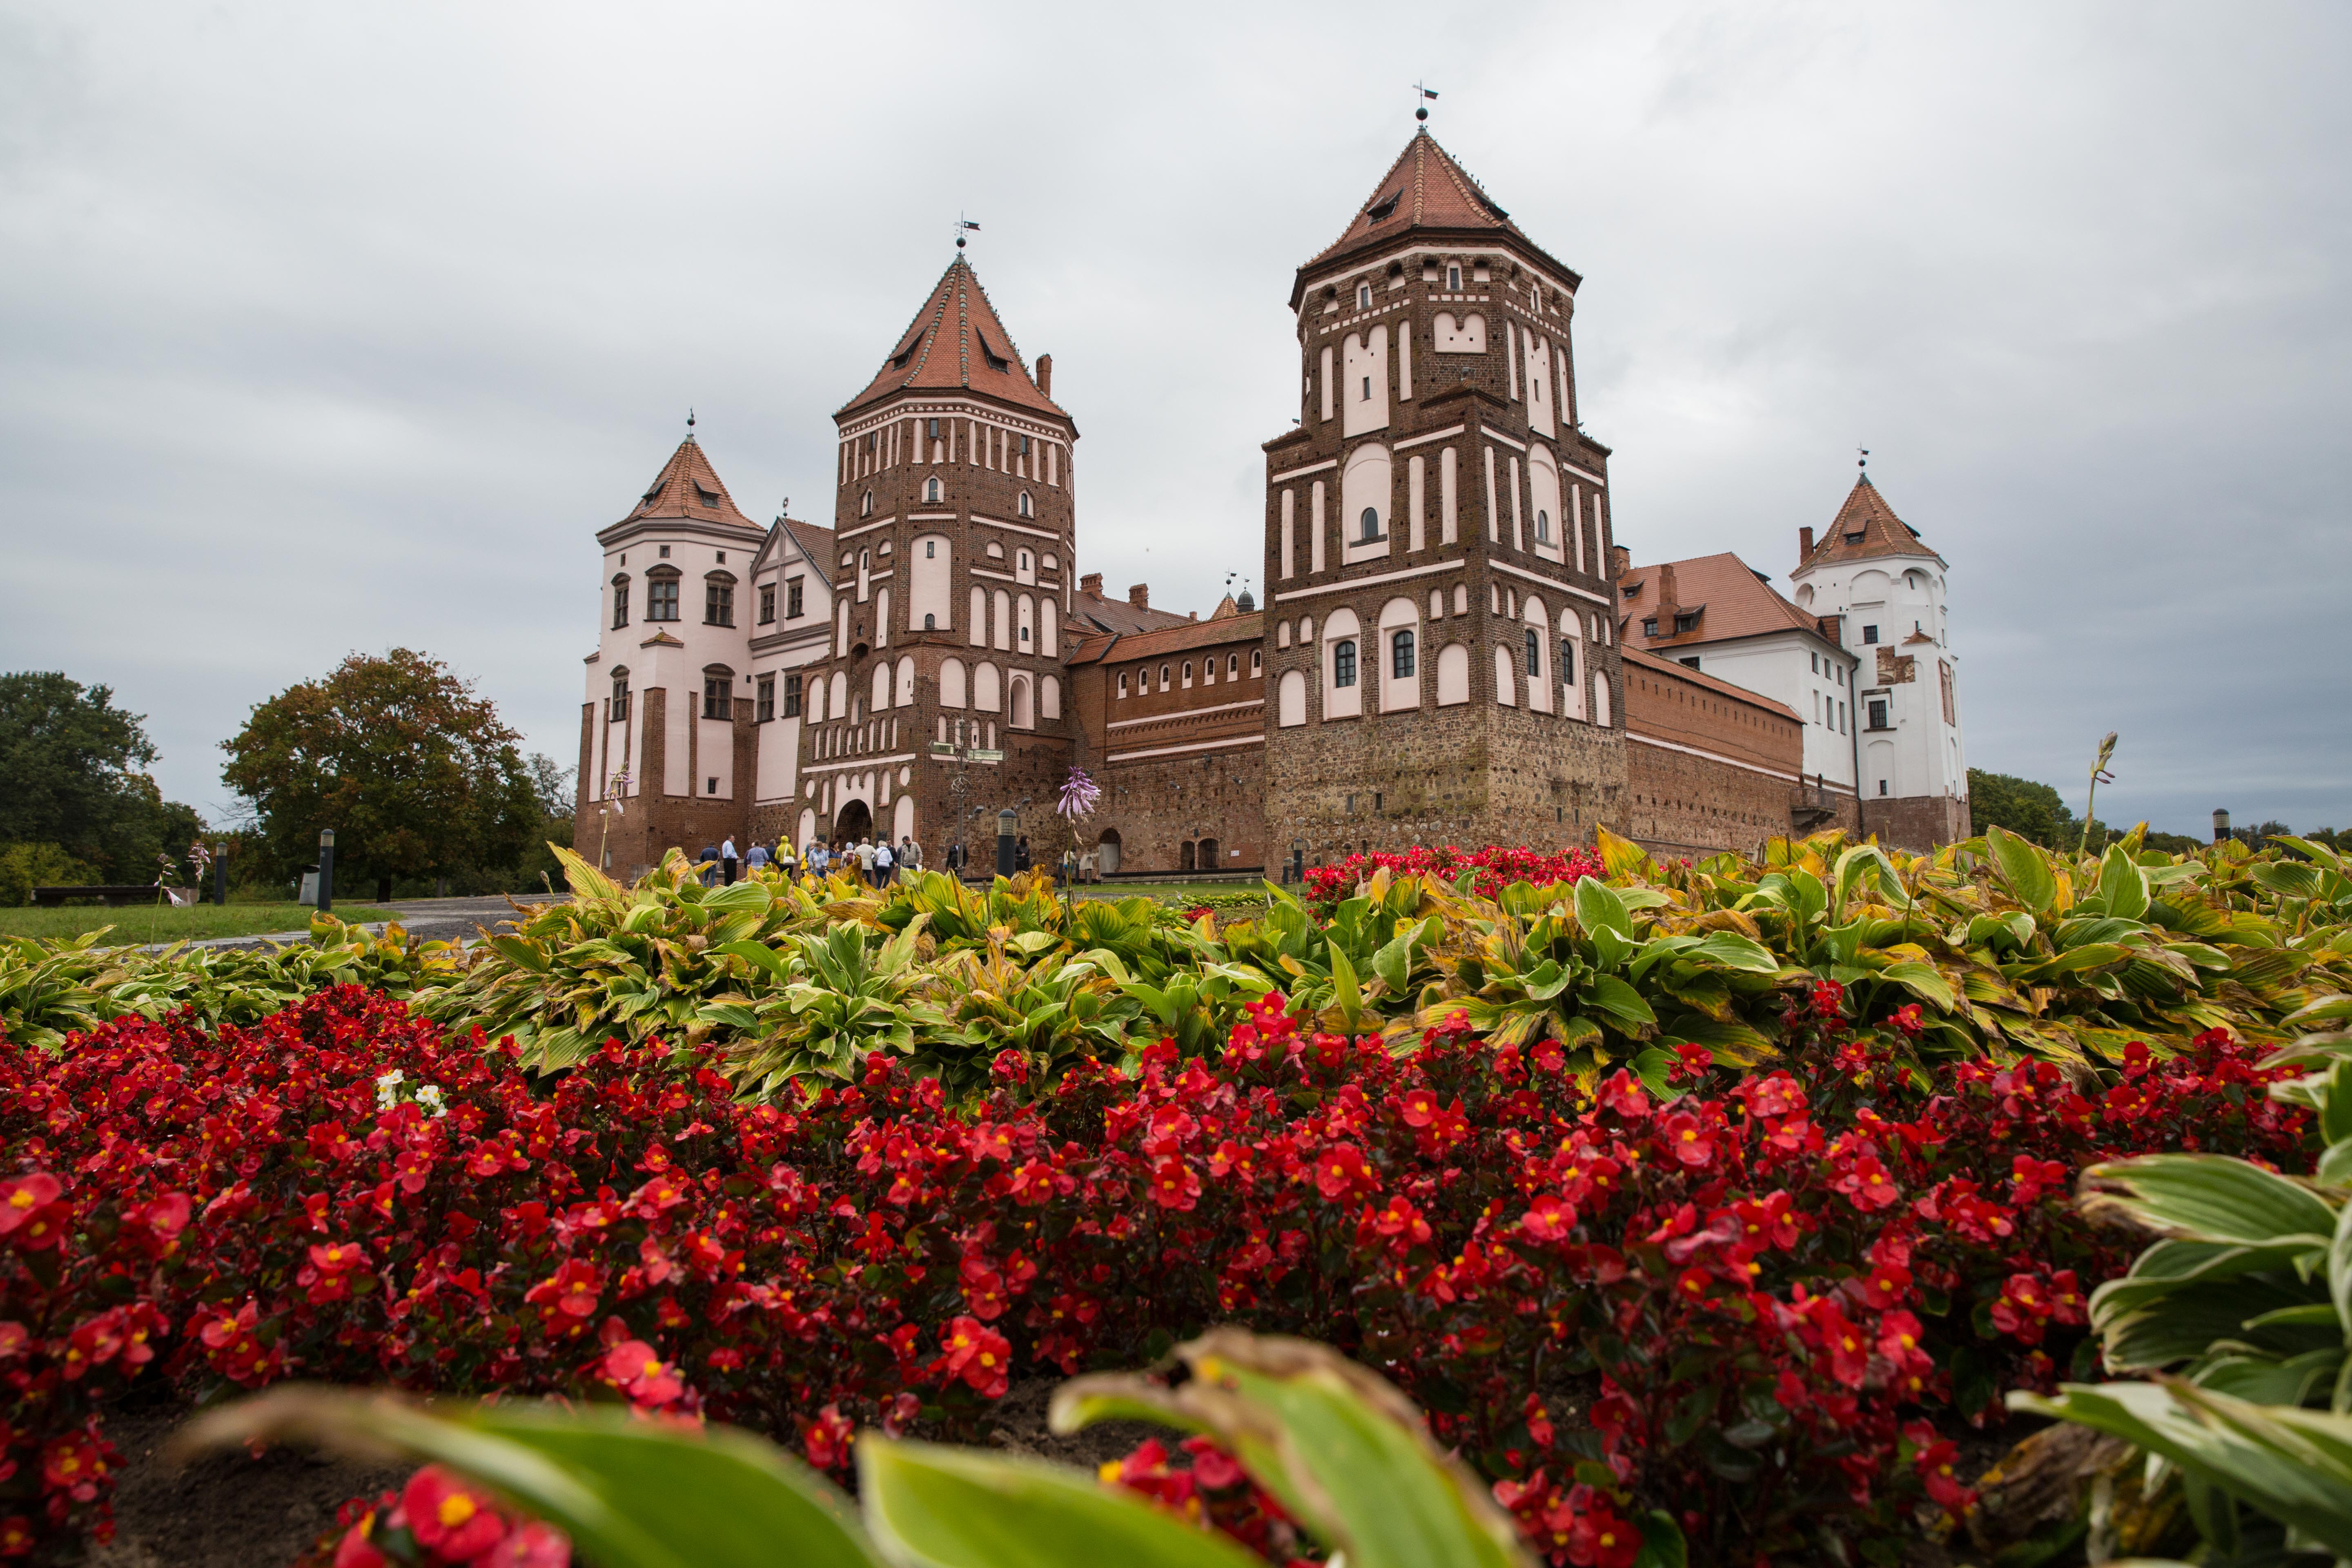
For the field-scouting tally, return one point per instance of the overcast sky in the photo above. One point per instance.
(328, 327)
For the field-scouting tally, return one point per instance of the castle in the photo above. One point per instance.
(1454, 648)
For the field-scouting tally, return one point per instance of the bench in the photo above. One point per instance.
(113, 896)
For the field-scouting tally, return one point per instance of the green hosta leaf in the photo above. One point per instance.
(1922, 980)
(1343, 1451)
(1598, 908)
(630, 1493)
(2340, 1269)
(2213, 1197)
(933, 1507)
(2123, 886)
(1733, 951)
(2293, 1465)
(1613, 996)
(2025, 868)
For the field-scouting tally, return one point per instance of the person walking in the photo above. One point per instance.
(911, 854)
(708, 861)
(885, 864)
(754, 857)
(864, 856)
(1021, 853)
(727, 861)
(785, 862)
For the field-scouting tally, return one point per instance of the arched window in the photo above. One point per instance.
(1122, 684)
(1534, 655)
(1368, 525)
(618, 709)
(1023, 506)
(661, 594)
(620, 601)
(1543, 526)
(1257, 660)
(1163, 677)
(718, 599)
(931, 488)
(1188, 672)
(930, 623)
(1343, 662)
(1233, 666)
(866, 506)
(1401, 651)
(1568, 661)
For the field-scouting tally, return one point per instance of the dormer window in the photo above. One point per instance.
(1649, 626)
(1685, 621)
(932, 486)
(705, 498)
(1385, 208)
(1023, 507)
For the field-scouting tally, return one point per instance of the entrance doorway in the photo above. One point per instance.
(1107, 852)
(1208, 855)
(853, 822)
(1184, 857)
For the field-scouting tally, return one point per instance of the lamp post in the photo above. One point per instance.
(1298, 862)
(326, 869)
(1008, 822)
(2221, 826)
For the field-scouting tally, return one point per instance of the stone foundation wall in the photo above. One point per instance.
(1919, 823)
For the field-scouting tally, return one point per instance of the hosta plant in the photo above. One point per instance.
(1325, 1443)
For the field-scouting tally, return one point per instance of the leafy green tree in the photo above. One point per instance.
(75, 771)
(415, 774)
(2034, 811)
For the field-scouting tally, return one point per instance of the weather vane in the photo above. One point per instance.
(965, 225)
(690, 424)
(1863, 462)
(1422, 94)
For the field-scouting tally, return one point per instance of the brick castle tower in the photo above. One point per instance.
(1441, 653)
(951, 571)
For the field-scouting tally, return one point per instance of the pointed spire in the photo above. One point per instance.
(1426, 189)
(1867, 526)
(687, 486)
(956, 341)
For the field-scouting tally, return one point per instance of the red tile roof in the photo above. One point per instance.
(816, 541)
(1119, 617)
(1721, 687)
(956, 341)
(1184, 635)
(1732, 600)
(1866, 527)
(681, 488)
(1425, 189)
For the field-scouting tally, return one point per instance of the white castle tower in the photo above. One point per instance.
(1886, 587)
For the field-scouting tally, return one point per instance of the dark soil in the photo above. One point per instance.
(233, 1510)
(225, 1510)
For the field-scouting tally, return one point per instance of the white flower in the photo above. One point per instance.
(387, 1088)
(429, 1096)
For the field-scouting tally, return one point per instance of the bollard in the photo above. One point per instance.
(326, 869)
(1008, 823)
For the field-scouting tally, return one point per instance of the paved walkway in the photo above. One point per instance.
(440, 919)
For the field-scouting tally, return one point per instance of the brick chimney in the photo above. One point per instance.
(1670, 599)
(1140, 596)
(1091, 583)
(1804, 545)
(1621, 560)
(1046, 375)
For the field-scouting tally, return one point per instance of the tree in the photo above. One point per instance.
(414, 774)
(2032, 811)
(76, 772)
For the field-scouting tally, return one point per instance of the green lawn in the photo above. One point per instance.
(152, 924)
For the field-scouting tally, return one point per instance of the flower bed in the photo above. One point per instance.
(1492, 869)
(1766, 1302)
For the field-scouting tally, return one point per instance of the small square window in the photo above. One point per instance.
(664, 551)
(1870, 634)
